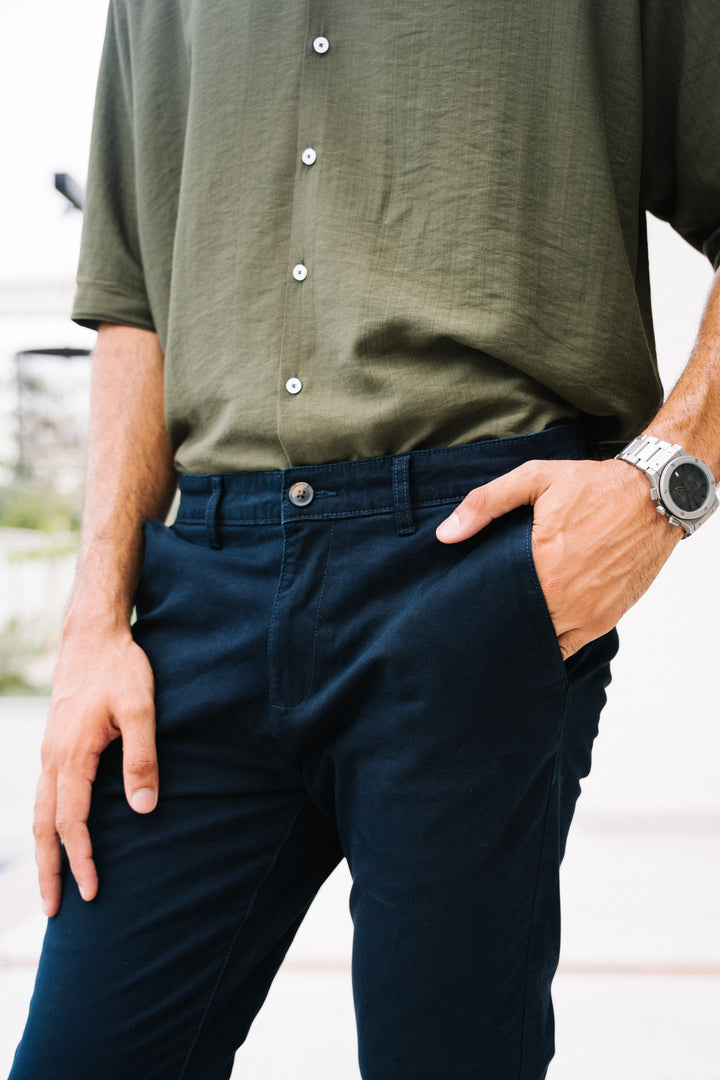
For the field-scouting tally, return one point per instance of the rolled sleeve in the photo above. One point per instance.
(681, 150)
(97, 302)
(111, 282)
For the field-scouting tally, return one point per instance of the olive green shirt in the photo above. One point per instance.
(364, 226)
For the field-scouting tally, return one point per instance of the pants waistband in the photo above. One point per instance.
(394, 484)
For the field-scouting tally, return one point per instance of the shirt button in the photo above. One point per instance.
(309, 156)
(293, 386)
(300, 272)
(321, 44)
(301, 494)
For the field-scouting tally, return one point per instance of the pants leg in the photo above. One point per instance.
(331, 680)
(160, 976)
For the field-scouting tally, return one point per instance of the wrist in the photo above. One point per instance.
(91, 611)
(690, 436)
(101, 597)
(106, 577)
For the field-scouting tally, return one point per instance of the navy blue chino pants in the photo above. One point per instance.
(331, 682)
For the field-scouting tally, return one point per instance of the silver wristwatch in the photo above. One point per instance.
(683, 487)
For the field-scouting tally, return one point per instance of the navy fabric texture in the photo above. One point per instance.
(331, 682)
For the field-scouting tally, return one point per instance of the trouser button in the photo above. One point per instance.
(301, 494)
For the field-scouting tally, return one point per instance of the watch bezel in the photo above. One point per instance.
(664, 488)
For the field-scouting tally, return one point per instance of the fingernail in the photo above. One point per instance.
(83, 892)
(449, 528)
(46, 908)
(143, 800)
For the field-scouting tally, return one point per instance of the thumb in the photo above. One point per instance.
(140, 769)
(483, 504)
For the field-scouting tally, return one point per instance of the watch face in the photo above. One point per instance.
(688, 487)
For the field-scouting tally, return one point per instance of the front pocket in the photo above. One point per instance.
(546, 627)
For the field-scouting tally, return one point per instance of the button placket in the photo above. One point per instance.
(297, 350)
(309, 155)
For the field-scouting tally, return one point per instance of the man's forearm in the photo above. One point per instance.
(103, 685)
(597, 542)
(130, 474)
(691, 414)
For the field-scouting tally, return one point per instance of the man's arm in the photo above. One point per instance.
(598, 542)
(103, 685)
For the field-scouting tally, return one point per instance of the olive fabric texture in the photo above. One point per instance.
(364, 228)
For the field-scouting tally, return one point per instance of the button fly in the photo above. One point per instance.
(301, 494)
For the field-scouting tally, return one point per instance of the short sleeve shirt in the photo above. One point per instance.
(364, 228)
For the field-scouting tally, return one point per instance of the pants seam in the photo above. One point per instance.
(277, 706)
(273, 687)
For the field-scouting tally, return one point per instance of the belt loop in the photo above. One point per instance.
(211, 513)
(401, 495)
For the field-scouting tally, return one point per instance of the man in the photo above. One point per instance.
(361, 273)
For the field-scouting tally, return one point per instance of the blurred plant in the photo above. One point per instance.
(30, 506)
(18, 648)
(52, 389)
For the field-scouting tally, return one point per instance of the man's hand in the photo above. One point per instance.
(103, 689)
(598, 542)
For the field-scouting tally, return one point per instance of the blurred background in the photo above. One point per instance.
(638, 993)
(48, 62)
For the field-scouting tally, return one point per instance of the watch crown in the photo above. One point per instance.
(661, 509)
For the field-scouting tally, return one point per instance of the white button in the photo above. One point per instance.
(299, 272)
(301, 494)
(293, 386)
(309, 156)
(321, 44)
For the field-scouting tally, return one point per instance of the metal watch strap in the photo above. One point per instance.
(650, 454)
